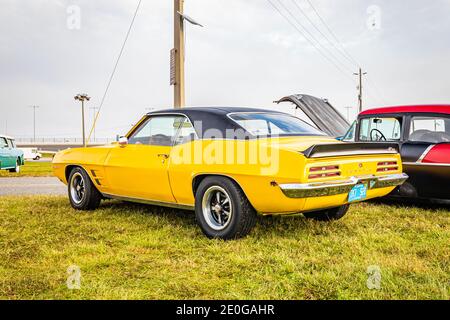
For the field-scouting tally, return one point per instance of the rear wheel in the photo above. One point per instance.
(329, 214)
(17, 168)
(222, 209)
(83, 195)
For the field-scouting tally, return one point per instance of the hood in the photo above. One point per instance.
(321, 113)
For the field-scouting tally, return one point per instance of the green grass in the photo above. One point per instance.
(128, 251)
(31, 169)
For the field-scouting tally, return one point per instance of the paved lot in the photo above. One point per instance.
(31, 186)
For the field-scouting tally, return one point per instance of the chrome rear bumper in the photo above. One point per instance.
(331, 188)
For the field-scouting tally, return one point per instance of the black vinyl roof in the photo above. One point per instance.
(212, 118)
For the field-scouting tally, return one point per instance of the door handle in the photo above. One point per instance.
(162, 155)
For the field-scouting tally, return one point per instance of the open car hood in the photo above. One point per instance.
(321, 113)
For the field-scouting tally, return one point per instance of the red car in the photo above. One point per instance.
(423, 133)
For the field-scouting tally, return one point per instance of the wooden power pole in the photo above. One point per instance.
(177, 56)
(360, 88)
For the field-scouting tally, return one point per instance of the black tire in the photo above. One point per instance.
(17, 168)
(242, 217)
(87, 200)
(329, 214)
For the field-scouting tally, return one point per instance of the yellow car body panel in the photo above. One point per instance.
(166, 175)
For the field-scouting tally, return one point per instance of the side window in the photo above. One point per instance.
(157, 131)
(380, 129)
(3, 143)
(186, 133)
(10, 143)
(429, 129)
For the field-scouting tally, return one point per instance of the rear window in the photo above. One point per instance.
(269, 124)
(430, 129)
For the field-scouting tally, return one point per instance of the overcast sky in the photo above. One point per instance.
(246, 55)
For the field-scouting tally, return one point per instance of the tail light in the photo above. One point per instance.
(324, 172)
(387, 166)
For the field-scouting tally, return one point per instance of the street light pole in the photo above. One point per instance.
(34, 121)
(177, 55)
(83, 97)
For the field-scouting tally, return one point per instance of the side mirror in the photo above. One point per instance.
(123, 141)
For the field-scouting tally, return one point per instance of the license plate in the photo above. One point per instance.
(358, 193)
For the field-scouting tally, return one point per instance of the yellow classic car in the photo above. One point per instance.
(229, 165)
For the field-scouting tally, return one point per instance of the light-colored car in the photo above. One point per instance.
(11, 158)
(31, 154)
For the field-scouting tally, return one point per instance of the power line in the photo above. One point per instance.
(114, 69)
(311, 42)
(332, 33)
(379, 97)
(339, 50)
(328, 51)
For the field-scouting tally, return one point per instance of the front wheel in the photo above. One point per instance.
(329, 214)
(83, 194)
(222, 209)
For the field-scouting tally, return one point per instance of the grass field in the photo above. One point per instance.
(31, 169)
(127, 251)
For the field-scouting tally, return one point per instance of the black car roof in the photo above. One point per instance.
(212, 110)
(207, 120)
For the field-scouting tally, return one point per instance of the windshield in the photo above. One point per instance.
(268, 124)
(380, 129)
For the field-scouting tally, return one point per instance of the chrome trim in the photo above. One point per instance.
(150, 202)
(331, 188)
(426, 164)
(425, 153)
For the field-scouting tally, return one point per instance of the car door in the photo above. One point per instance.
(426, 135)
(139, 170)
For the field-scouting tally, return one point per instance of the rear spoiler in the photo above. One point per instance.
(350, 149)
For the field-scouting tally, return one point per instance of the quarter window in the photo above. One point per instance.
(380, 129)
(430, 129)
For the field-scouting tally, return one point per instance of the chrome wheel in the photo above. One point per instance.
(217, 208)
(77, 188)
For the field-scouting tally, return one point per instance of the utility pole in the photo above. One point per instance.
(34, 121)
(95, 112)
(177, 55)
(360, 88)
(82, 97)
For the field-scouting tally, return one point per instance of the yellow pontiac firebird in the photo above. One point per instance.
(228, 165)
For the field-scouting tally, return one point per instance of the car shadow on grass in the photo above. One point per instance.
(414, 203)
(281, 226)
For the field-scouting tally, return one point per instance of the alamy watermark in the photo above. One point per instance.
(374, 20)
(73, 277)
(374, 278)
(73, 21)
